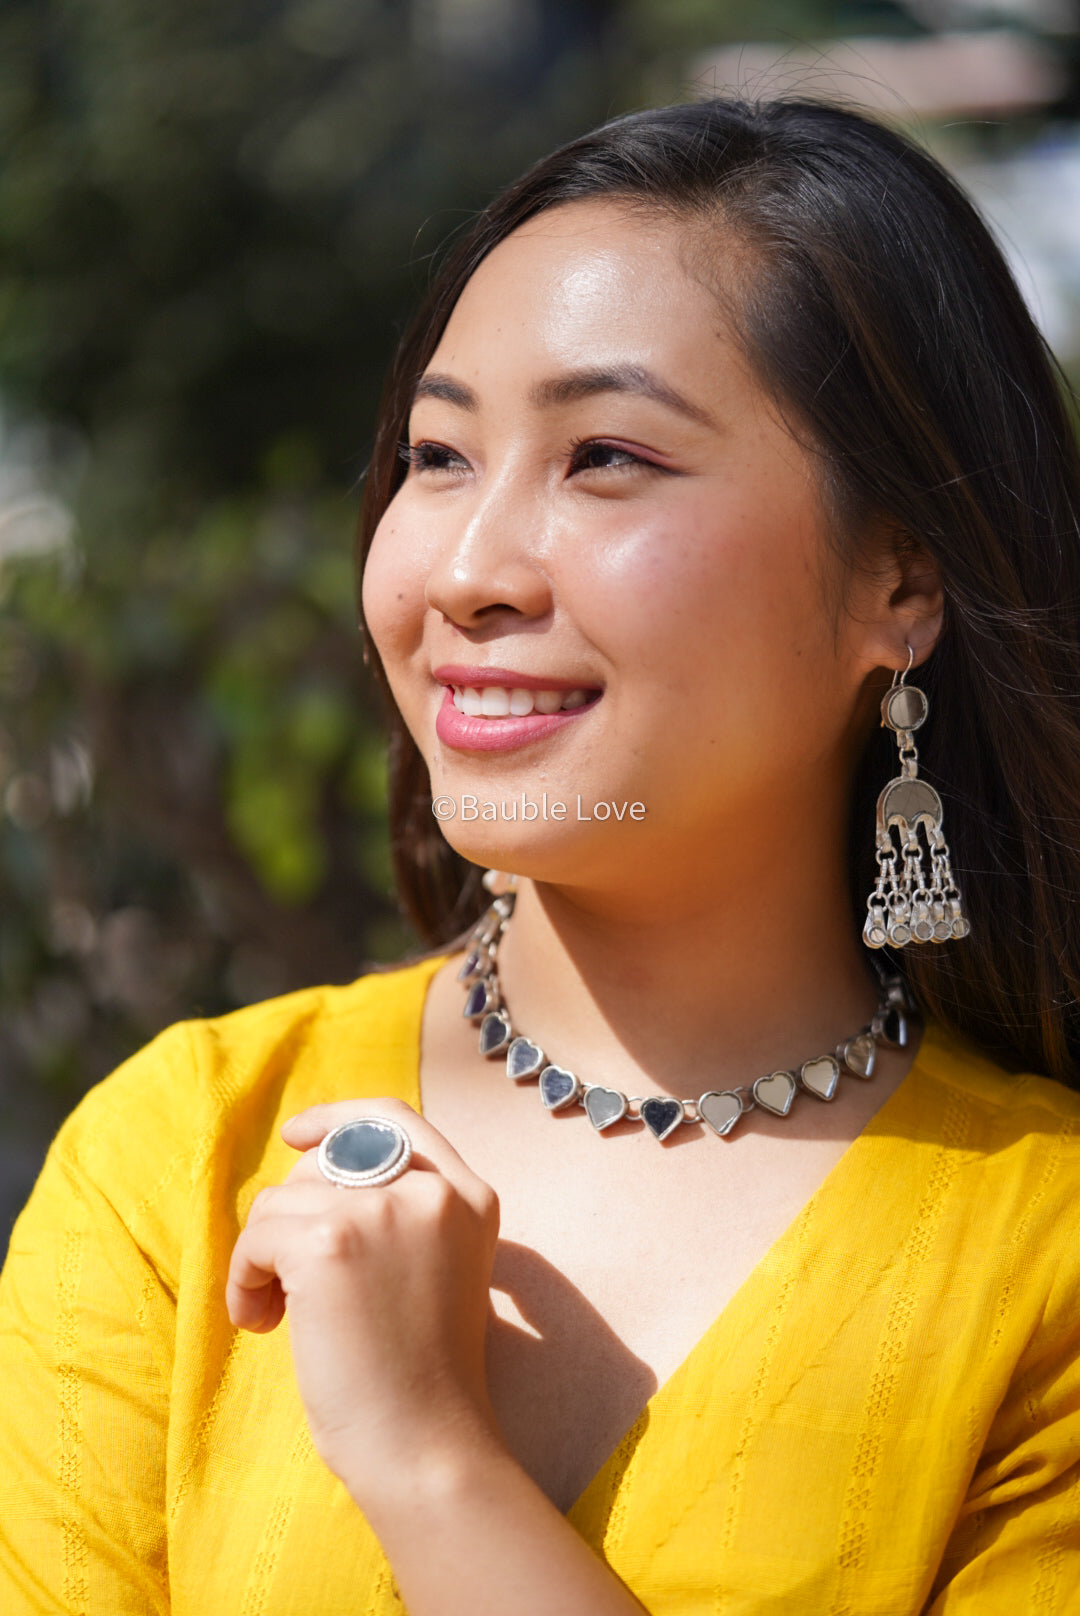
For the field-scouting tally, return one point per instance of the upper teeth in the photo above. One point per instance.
(495, 701)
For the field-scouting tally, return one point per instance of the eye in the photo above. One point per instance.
(592, 454)
(430, 457)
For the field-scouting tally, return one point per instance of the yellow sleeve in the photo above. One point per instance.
(87, 1315)
(1016, 1546)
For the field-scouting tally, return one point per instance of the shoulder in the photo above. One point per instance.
(369, 1028)
(999, 1156)
(202, 1067)
(1008, 1102)
(198, 1110)
(987, 1152)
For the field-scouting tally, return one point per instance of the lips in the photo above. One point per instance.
(498, 709)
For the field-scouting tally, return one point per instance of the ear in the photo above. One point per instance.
(901, 604)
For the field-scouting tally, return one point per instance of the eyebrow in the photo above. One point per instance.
(572, 386)
(432, 385)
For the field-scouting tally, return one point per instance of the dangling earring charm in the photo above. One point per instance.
(916, 899)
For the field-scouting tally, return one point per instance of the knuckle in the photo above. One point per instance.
(435, 1193)
(263, 1200)
(330, 1237)
(436, 1202)
(382, 1213)
(349, 1223)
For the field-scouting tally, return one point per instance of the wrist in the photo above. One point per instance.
(426, 1468)
(467, 1530)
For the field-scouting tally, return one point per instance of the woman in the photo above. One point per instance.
(714, 426)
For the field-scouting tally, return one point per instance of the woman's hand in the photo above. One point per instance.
(388, 1291)
(388, 1297)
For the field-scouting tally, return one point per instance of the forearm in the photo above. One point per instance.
(477, 1537)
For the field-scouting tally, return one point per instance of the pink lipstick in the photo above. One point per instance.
(472, 732)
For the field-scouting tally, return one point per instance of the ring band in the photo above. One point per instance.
(366, 1151)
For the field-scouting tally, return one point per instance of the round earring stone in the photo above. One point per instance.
(904, 708)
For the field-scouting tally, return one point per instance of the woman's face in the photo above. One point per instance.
(604, 515)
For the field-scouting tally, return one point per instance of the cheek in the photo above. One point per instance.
(392, 591)
(703, 587)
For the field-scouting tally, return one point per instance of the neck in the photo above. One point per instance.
(690, 977)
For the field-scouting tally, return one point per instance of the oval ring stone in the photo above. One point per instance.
(366, 1151)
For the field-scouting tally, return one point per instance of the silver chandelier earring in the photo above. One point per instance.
(916, 898)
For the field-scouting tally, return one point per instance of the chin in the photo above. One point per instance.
(565, 853)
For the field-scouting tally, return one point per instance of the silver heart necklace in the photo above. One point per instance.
(719, 1109)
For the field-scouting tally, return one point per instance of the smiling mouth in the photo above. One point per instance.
(502, 701)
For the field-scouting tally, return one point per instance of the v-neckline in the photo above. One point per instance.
(828, 1191)
(830, 1194)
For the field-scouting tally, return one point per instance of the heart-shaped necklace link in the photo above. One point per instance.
(890, 1028)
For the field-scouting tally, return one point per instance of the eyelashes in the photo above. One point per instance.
(583, 454)
(588, 454)
(427, 456)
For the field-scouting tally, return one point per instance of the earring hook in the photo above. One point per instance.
(898, 677)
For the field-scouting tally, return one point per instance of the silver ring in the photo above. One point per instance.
(366, 1151)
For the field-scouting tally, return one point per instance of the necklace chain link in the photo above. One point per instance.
(719, 1110)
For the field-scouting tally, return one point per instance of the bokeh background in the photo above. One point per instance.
(214, 218)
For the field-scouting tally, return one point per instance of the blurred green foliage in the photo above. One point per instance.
(209, 221)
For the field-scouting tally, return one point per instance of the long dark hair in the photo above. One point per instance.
(883, 319)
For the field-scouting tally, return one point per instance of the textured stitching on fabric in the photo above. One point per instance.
(1050, 1553)
(384, 1595)
(1049, 1558)
(1019, 1235)
(950, 1067)
(621, 1476)
(976, 1436)
(151, 1197)
(854, 1528)
(226, 1086)
(147, 1292)
(69, 1417)
(266, 1556)
(84, 1161)
(229, 1082)
(757, 1388)
(205, 1426)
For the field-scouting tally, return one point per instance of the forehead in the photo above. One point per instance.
(591, 282)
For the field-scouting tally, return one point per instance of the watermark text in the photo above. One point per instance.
(524, 808)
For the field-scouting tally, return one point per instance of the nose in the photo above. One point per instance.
(491, 564)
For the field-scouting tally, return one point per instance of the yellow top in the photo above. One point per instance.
(885, 1419)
